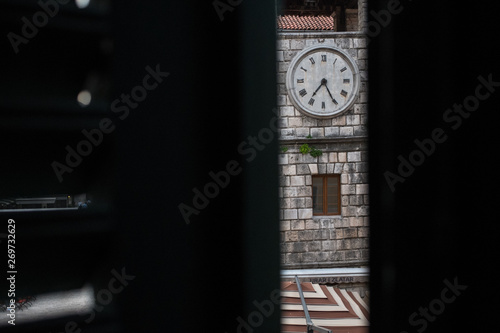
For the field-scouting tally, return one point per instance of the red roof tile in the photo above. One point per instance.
(294, 22)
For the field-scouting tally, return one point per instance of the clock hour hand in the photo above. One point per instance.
(317, 89)
(323, 82)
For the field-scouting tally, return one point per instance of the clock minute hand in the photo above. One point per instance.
(329, 93)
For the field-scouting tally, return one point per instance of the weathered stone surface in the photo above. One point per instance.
(318, 240)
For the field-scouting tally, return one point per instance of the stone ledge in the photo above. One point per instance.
(346, 139)
(319, 34)
(330, 264)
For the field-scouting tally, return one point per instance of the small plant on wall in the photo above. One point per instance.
(306, 149)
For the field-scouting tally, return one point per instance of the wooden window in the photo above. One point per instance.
(326, 194)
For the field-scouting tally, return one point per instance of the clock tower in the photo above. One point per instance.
(322, 103)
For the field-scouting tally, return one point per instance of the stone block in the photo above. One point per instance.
(350, 232)
(283, 122)
(313, 168)
(356, 200)
(305, 213)
(281, 100)
(328, 245)
(289, 55)
(284, 225)
(299, 247)
(311, 224)
(302, 132)
(303, 169)
(352, 119)
(291, 236)
(352, 255)
(286, 111)
(362, 54)
(332, 157)
(330, 168)
(310, 257)
(359, 43)
(362, 189)
(356, 221)
(293, 258)
(297, 202)
(364, 232)
(348, 189)
(284, 181)
(290, 214)
(346, 131)
(283, 66)
(313, 246)
(349, 167)
(360, 130)
(317, 132)
(297, 181)
(281, 78)
(283, 44)
(282, 159)
(332, 131)
(295, 122)
(280, 56)
(297, 44)
(297, 225)
(306, 235)
(339, 121)
(289, 170)
(361, 167)
(287, 132)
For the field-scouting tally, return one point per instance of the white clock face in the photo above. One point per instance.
(322, 81)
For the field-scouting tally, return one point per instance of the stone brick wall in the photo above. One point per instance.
(309, 241)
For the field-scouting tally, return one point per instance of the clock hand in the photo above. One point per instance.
(329, 93)
(318, 88)
(323, 82)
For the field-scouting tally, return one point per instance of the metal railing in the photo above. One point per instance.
(311, 328)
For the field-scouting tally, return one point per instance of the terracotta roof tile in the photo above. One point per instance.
(294, 22)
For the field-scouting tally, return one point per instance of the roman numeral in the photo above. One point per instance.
(343, 93)
(347, 81)
(305, 70)
(303, 92)
(343, 69)
(322, 105)
(311, 101)
(312, 60)
(300, 80)
(323, 58)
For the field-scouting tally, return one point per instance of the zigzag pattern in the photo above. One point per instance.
(338, 310)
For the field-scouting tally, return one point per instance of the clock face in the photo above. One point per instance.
(322, 81)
